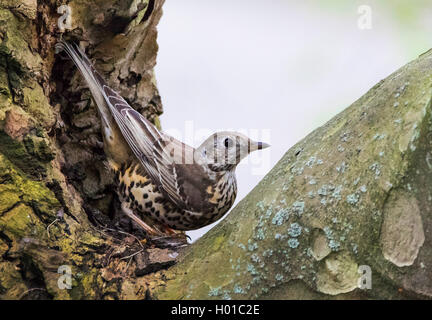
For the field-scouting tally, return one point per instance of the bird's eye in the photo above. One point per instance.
(228, 142)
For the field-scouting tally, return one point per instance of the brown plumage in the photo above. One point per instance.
(162, 182)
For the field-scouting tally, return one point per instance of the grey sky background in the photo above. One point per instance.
(275, 69)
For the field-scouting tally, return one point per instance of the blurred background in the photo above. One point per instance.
(277, 69)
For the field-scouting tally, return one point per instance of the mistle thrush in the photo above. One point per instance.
(163, 184)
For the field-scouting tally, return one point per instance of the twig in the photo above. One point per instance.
(118, 231)
(30, 290)
(127, 267)
(132, 255)
(126, 233)
(47, 229)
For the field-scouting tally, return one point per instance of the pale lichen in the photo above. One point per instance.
(294, 230)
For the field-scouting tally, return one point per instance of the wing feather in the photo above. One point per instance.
(158, 153)
(150, 146)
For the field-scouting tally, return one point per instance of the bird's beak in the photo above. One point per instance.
(258, 146)
(262, 145)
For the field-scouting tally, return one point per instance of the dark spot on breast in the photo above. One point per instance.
(159, 200)
(149, 204)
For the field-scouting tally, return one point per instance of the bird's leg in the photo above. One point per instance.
(172, 235)
(150, 231)
(168, 230)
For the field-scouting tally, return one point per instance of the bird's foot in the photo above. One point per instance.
(149, 230)
(161, 236)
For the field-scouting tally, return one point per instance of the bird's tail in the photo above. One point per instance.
(92, 77)
(115, 146)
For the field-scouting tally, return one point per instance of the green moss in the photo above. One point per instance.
(157, 122)
(32, 193)
(38, 147)
(139, 15)
(4, 83)
(11, 284)
(25, 155)
(15, 39)
(21, 222)
(8, 197)
(37, 104)
(218, 242)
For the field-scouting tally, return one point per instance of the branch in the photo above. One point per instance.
(355, 192)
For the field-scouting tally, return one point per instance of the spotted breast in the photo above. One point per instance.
(140, 196)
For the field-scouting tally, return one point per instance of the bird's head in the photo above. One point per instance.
(224, 150)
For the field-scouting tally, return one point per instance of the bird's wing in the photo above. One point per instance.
(158, 153)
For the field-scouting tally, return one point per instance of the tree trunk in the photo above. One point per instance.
(355, 192)
(53, 181)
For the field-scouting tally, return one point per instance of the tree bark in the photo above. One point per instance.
(54, 185)
(355, 192)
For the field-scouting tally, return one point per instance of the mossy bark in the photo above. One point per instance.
(355, 192)
(52, 175)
